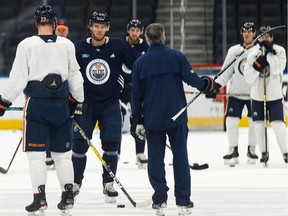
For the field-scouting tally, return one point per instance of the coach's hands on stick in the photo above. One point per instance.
(137, 129)
(4, 105)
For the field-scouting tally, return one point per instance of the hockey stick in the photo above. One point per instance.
(265, 112)
(4, 171)
(224, 69)
(14, 109)
(195, 166)
(224, 94)
(135, 204)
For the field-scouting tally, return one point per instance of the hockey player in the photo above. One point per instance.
(267, 59)
(237, 85)
(100, 59)
(156, 74)
(135, 30)
(45, 67)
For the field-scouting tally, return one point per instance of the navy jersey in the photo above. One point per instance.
(101, 67)
(140, 48)
(157, 85)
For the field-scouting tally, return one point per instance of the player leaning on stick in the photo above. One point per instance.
(135, 30)
(237, 84)
(157, 94)
(269, 58)
(45, 67)
(100, 59)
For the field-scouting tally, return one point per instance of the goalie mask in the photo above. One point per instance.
(248, 26)
(45, 14)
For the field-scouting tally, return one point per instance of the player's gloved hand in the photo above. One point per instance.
(75, 107)
(260, 63)
(210, 84)
(4, 104)
(214, 92)
(268, 47)
(137, 129)
(125, 95)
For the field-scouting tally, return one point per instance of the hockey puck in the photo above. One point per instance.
(232, 165)
(125, 162)
(120, 206)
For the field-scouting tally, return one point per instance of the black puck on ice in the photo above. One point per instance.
(232, 165)
(120, 206)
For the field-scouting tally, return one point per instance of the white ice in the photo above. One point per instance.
(244, 190)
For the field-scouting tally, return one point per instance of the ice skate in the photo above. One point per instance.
(76, 190)
(159, 208)
(285, 156)
(265, 157)
(185, 210)
(251, 156)
(50, 164)
(232, 157)
(109, 192)
(39, 204)
(141, 161)
(67, 200)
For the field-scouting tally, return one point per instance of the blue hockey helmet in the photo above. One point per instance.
(99, 18)
(45, 14)
(248, 26)
(135, 23)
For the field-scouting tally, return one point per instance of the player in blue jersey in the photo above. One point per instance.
(157, 95)
(135, 30)
(100, 59)
(45, 67)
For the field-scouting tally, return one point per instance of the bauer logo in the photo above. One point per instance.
(98, 71)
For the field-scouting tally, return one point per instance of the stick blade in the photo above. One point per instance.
(2, 170)
(143, 204)
(196, 166)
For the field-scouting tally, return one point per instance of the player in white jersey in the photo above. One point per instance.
(239, 91)
(270, 59)
(46, 69)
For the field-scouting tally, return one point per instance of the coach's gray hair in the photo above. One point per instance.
(155, 33)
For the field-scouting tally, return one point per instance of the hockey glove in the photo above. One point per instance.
(137, 129)
(268, 47)
(260, 63)
(214, 92)
(75, 107)
(4, 104)
(210, 84)
(125, 95)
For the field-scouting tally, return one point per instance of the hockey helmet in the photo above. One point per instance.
(99, 18)
(264, 29)
(135, 23)
(248, 26)
(45, 14)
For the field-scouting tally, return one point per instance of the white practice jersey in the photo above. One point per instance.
(35, 59)
(274, 73)
(233, 77)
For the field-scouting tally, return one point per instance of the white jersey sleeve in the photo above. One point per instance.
(35, 59)
(274, 74)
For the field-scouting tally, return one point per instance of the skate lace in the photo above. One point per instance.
(109, 187)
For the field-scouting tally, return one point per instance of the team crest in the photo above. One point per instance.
(98, 71)
(241, 65)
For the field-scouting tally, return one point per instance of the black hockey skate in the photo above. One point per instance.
(50, 164)
(252, 157)
(109, 192)
(185, 210)
(232, 157)
(159, 208)
(285, 156)
(265, 157)
(67, 200)
(39, 204)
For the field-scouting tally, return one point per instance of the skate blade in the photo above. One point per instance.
(160, 212)
(65, 212)
(141, 166)
(51, 167)
(37, 213)
(251, 161)
(110, 199)
(232, 161)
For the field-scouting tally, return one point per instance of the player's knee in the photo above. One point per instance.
(110, 146)
(36, 155)
(79, 146)
(57, 156)
(232, 121)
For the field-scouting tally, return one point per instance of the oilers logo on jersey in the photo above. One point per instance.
(98, 71)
